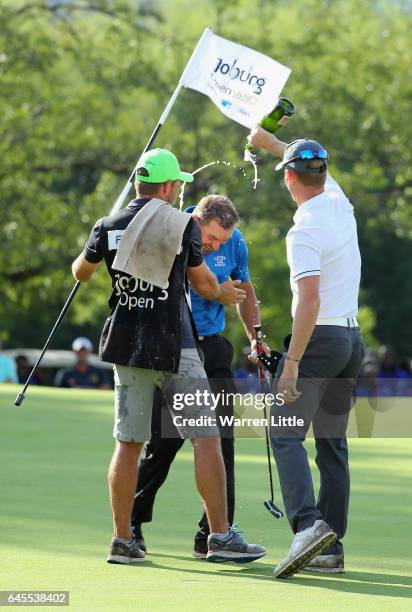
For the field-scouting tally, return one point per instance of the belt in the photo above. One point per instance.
(211, 336)
(339, 321)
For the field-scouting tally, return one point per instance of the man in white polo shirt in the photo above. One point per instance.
(318, 373)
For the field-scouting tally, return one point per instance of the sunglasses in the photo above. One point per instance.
(309, 154)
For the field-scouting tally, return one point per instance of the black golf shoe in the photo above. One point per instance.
(138, 536)
(200, 545)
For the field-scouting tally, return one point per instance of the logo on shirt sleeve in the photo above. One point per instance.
(113, 239)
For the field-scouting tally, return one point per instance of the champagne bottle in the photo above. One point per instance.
(276, 119)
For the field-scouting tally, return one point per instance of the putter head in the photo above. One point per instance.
(269, 505)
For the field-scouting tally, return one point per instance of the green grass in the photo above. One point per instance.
(55, 521)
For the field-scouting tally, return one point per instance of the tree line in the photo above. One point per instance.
(83, 84)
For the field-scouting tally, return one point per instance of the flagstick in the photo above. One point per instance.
(119, 202)
(116, 207)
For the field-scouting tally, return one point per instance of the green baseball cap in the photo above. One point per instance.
(159, 166)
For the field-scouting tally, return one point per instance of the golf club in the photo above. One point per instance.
(116, 207)
(268, 503)
(19, 399)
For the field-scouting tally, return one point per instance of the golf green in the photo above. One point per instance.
(55, 521)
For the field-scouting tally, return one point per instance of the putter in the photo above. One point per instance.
(268, 503)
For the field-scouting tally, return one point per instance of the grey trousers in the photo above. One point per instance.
(327, 376)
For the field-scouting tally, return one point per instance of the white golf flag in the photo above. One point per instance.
(243, 83)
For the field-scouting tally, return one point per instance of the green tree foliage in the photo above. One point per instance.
(83, 84)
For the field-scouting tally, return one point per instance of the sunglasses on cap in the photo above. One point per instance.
(309, 154)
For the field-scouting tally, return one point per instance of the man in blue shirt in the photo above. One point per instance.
(230, 260)
(226, 254)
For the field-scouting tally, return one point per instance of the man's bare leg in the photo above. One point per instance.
(122, 485)
(211, 481)
(223, 545)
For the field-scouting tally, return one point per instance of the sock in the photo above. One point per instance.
(124, 541)
(222, 536)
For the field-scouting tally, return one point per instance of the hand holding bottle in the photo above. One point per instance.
(262, 139)
(271, 123)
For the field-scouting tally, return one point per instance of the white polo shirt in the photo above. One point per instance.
(324, 242)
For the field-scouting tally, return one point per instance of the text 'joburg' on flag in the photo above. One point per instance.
(243, 83)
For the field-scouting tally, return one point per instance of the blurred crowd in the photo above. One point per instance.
(82, 375)
(383, 374)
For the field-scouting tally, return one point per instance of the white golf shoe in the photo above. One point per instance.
(305, 546)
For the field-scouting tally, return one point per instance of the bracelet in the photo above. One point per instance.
(291, 359)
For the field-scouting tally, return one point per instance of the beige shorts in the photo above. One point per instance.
(134, 390)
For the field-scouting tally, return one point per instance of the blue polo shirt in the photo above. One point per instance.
(230, 261)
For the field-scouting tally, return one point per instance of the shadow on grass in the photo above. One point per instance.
(366, 583)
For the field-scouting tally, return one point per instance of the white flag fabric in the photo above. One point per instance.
(243, 83)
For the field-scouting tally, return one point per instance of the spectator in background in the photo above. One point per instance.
(24, 369)
(389, 366)
(8, 372)
(393, 380)
(406, 365)
(82, 375)
(380, 377)
(247, 376)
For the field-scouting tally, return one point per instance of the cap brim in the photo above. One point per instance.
(300, 165)
(186, 177)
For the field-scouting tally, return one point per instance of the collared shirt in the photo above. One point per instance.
(324, 242)
(230, 261)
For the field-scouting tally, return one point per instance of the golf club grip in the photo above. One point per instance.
(259, 338)
(19, 399)
(260, 349)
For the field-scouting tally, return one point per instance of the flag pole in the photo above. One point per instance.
(119, 202)
(116, 207)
